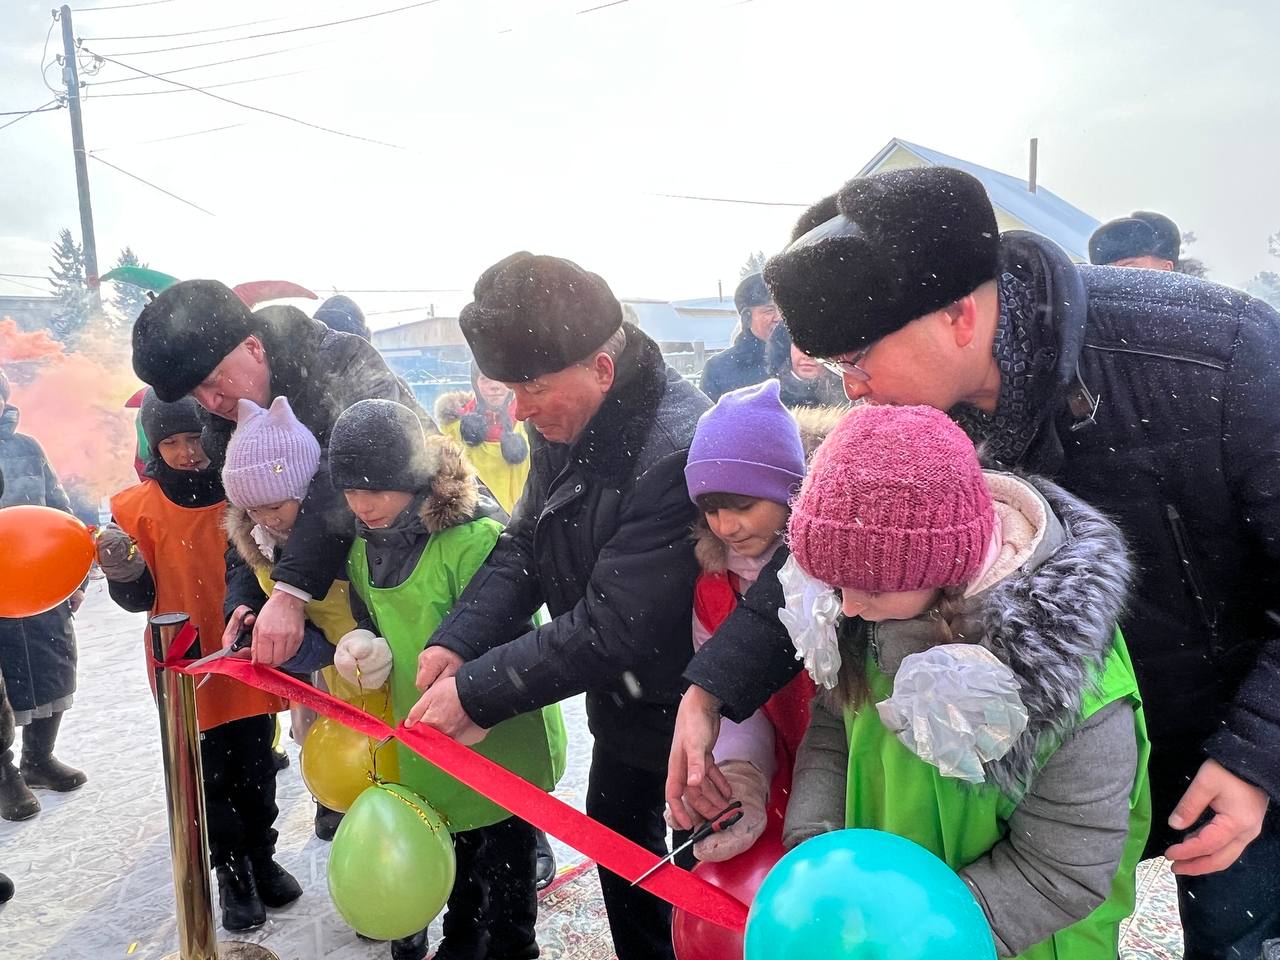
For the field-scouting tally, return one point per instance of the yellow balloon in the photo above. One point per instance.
(337, 763)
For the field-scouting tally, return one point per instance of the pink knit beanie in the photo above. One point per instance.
(271, 456)
(895, 500)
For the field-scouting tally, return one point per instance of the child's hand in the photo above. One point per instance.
(242, 617)
(434, 664)
(363, 659)
(118, 556)
(750, 787)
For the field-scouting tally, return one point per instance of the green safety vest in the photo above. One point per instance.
(531, 745)
(891, 789)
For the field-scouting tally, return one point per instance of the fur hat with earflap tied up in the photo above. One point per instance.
(474, 427)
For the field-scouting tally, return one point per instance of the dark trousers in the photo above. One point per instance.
(494, 904)
(630, 801)
(1228, 915)
(239, 788)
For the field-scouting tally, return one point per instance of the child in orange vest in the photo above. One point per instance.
(163, 552)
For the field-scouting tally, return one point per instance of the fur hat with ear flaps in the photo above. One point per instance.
(535, 315)
(886, 250)
(379, 445)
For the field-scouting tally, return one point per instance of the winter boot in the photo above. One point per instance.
(238, 894)
(276, 885)
(280, 758)
(327, 821)
(6, 889)
(17, 802)
(410, 948)
(39, 767)
(546, 870)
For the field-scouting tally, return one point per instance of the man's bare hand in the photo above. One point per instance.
(696, 789)
(277, 633)
(1239, 808)
(435, 664)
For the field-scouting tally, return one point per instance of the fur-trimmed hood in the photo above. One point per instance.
(1052, 621)
(452, 499)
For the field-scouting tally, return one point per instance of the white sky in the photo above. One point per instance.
(526, 126)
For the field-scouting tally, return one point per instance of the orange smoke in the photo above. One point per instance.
(73, 403)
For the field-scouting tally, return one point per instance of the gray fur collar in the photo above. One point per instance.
(1052, 624)
(451, 500)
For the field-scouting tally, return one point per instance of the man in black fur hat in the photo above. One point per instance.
(746, 362)
(1143, 239)
(1154, 396)
(601, 536)
(198, 337)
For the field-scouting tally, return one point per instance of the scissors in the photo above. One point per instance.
(243, 640)
(717, 824)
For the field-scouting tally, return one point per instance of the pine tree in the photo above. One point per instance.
(69, 287)
(754, 264)
(1266, 283)
(1192, 266)
(128, 300)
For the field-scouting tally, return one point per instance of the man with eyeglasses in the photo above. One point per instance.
(746, 362)
(1153, 396)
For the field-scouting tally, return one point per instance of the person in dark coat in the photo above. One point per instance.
(802, 380)
(745, 362)
(1153, 396)
(601, 536)
(37, 654)
(6, 742)
(1150, 241)
(198, 337)
(343, 314)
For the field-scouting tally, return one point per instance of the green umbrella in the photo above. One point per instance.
(143, 277)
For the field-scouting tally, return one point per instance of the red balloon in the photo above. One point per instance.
(45, 555)
(258, 291)
(697, 939)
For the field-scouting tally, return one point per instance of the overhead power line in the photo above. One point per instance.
(613, 3)
(45, 108)
(248, 106)
(176, 136)
(153, 186)
(217, 63)
(120, 6)
(41, 109)
(26, 276)
(185, 33)
(754, 203)
(212, 86)
(277, 33)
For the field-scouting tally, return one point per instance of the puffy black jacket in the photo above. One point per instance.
(601, 536)
(322, 372)
(741, 365)
(1158, 401)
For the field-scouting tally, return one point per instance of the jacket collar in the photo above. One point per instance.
(187, 488)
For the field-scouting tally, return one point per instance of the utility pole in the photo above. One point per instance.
(71, 74)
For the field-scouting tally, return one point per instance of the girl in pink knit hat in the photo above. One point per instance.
(977, 696)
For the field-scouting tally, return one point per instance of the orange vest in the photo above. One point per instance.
(184, 547)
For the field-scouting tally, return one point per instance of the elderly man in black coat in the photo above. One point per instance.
(1153, 396)
(198, 337)
(601, 536)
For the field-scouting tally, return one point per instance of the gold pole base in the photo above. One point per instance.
(236, 950)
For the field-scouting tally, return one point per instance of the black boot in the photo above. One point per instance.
(276, 885)
(238, 894)
(410, 948)
(327, 821)
(280, 758)
(6, 889)
(546, 870)
(39, 767)
(17, 802)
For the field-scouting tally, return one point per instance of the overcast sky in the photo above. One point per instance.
(522, 124)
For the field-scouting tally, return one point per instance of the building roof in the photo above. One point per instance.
(710, 320)
(1043, 211)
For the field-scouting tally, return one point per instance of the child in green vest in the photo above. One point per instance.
(422, 532)
(980, 700)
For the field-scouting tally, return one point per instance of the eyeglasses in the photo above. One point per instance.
(849, 368)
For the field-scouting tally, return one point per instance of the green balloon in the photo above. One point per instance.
(143, 277)
(391, 867)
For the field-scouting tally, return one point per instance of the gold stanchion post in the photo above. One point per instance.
(184, 793)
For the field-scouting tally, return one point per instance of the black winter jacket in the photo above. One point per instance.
(741, 365)
(1157, 398)
(601, 536)
(322, 372)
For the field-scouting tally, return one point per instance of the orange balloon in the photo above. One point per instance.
(336, 763)
(45, 555)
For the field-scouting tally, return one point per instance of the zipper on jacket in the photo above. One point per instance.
(1182, 542)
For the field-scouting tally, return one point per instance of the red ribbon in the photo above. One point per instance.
(609, 849)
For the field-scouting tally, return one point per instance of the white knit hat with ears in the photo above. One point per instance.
(271, 456)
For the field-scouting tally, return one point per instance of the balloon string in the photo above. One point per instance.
(369, 741)
(422, 814)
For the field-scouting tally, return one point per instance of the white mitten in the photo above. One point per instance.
(749, 786)
(364, 650)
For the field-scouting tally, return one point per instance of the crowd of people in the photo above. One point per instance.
(1012, 604)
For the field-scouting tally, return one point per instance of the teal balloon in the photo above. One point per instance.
(865, 895)
(391, 867)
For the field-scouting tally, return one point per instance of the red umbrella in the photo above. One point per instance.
(259, 291)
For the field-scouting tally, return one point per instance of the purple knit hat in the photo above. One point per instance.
(271, 456)
(895, 500)
(747, 444)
